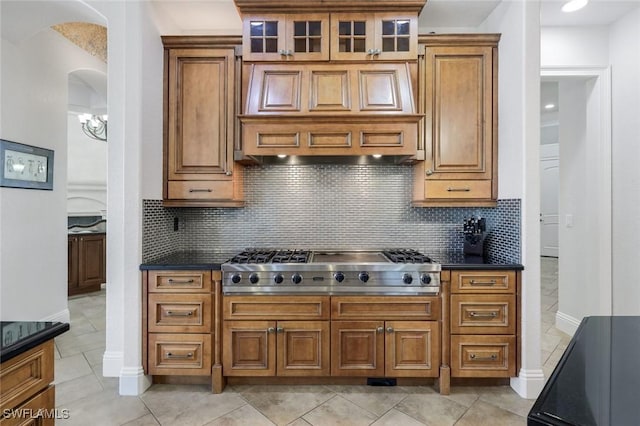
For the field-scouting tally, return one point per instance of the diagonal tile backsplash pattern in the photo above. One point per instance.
(364, 206)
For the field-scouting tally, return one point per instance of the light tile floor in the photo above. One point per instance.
(93, 399)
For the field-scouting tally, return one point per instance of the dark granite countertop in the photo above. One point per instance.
(191, 260)
(597, 379)
(20, 336)
(458, 260)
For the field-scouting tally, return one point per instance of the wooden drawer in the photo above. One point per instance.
(25, 375)
(483, 282)
(200, 190)
(179, 313)
(483, 314)
(483, 356)
(276, 307)
(28, 412)
(179, 281)
(180, 354)
(385, 307)
(458, 189)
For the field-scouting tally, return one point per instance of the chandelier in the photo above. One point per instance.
(94, 126)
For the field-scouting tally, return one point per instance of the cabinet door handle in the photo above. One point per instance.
(482, 283)
(483, 314)
(174, 356)
(428, 172)
(200, 190)
(228, 173)
(179, 313)
(172, 281)
(389, 329)
(493, 357)
(279, 330)
(450, 189)
(271, 330)
(380, 329)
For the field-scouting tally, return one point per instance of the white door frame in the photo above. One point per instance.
(602, 202)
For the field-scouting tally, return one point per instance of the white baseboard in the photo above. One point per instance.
(529, 383)
(566, 323)
(133, 381)
(112, 363)
(62, 316)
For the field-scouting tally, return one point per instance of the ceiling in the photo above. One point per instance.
(212, 16)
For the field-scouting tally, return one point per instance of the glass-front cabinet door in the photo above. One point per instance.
(373, 36)
(286, 37)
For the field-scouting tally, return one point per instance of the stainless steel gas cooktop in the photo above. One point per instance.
(387, 272)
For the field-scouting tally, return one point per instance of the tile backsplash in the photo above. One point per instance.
(365, 206)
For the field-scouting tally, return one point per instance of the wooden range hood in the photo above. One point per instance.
(331, 103)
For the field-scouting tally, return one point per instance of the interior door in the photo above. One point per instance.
(549, 182)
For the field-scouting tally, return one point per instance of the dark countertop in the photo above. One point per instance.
(597, 379)
(20, 336)
(202, 260)
(189, 260)
(458, 260)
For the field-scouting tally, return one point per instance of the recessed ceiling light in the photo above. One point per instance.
(282, 155)
(550, 106)
(377, 155)
(574, 5)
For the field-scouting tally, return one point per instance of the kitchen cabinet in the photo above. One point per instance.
(484, 323)
(201, 95)
(374, 36)
(86, 261)
(181, 324)
(295, 342)
(458, 81)
(299, 37)
(377, 336)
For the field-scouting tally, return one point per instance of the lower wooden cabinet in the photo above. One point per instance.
(181, 354)
(484, 323)
(385, 348)
(26, 387)
(86, 263)
(276, 348)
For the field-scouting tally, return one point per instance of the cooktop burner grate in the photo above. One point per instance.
(406, 256)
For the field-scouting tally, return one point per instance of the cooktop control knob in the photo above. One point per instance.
(296, 278)
(278, 279)
(235, 278)
(425, 278)
(364, 276)
(253, 278)
(407, 278)
(339, 276)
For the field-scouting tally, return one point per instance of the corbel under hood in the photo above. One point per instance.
(330, 109)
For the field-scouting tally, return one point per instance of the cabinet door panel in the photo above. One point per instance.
(459, 111)
(357, 348)
(200, 113)
(412, 349)
(91, 261)
(303, 348)
(249, 348)
(72, 263)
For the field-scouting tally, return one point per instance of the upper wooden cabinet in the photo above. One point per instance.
(335, 36)
(286, 37)
(200, 114)
(314, 30)
(458, 80)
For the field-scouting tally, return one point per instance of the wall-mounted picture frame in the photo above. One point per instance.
(25, 166)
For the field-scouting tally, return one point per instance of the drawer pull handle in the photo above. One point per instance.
(189, 355)
(179, 313)
(483, 314)
(172, 281)
(493, 357)
(483, 283)
(380, 329)
(271, 330)
(200, 190)
(450, 189)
